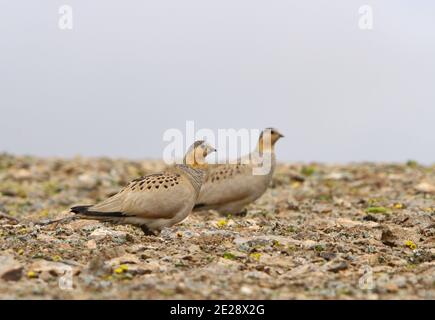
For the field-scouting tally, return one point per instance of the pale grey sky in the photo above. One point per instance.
(131, 69)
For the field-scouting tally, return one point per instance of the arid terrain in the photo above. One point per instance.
(357, 231)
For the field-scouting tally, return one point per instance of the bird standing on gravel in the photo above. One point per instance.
(230, 187)
(158, 200)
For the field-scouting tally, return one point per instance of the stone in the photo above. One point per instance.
(425, 187)
(388, 238)
(256, 275)
(322, 208)
(103, 233)
(338, 266)
(246, 290)
(125, 259)
(348, 223)
(82, 224)
(87, 181)
(55, 269)
(91, 244)
(10, 269)
(145, 268)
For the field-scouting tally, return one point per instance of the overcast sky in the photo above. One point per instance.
(129, 70)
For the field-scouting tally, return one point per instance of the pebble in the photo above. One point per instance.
(338, 266)
(51, 267)
(124, 259)
(103, 233)
(425, 187)
(246, 290)
(10, 269)
(91, 244)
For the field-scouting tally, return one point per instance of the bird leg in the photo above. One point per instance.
(147, 231)
(241, 213)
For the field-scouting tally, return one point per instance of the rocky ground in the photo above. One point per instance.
(358, 231)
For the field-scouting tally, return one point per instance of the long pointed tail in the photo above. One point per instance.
(80, 209)
(84, 212)
(62, 220)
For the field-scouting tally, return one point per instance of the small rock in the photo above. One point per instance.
(98, 267)
(224, 233)
(342, 203)
(328, 255)
(347, 223)
(254, 228)
(292, 206)
(369, 217)
(102, 233)
(87, 181)
(22, 174)
(246, 290)
(45, 275)
(222, 262)
(125, 259)
(425, 187)
(400, 281)
(194, 248)
(420, 256)
(87, 225)
(295, 176)
(388, 238)
(335, 267)
(168, 233)
(322, 208)
(308, 244)
(339, 176)
(10, 269)
(391, 287)
(46, 238)
(300, 270)
(91, 244)
(245, 244)
(256, 275)
(146, 268)
(136, 248)
(52, 268)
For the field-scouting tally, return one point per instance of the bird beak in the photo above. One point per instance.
(281, 135)
(210, 149)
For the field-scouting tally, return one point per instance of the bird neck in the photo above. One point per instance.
(265, 146)
(194, 175)
(191, 160)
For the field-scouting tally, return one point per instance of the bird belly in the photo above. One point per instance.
(174, 214)
(234, 194)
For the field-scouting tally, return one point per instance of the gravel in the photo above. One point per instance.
(356, 231)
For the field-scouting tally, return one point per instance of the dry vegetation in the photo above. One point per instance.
(323, 232)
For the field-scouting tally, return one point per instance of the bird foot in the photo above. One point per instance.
(241, 213)
(147, 231)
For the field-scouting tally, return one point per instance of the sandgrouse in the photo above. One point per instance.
(155, 201)
(228, 188)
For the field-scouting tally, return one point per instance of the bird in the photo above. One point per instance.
(229, 187)
(158, 200)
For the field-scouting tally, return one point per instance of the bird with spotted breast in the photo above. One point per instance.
(155, 201)
(228, 188)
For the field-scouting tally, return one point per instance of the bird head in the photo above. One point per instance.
(197, 153)
(268, 138)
